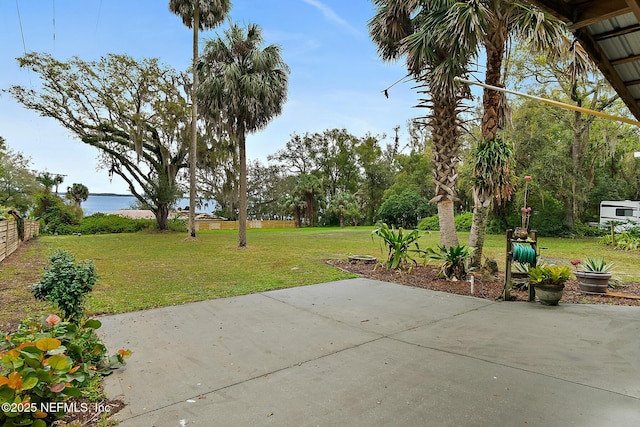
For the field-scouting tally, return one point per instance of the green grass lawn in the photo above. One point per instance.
(148, 269)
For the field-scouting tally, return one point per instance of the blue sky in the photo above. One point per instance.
(335, 82)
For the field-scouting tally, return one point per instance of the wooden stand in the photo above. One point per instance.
(508, 284)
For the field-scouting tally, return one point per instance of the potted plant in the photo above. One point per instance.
(548, 282)
(594, 275)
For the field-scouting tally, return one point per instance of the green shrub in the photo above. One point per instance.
(48, 362)
(430, 223)
(634, 231)
(548, 218)
(583, 230)
(101, 223)
(462, 221)
(60, 219)
(65, 284)
(625, 241)
(455, 260)
(404, 209)
(397, 243)
(176, 224)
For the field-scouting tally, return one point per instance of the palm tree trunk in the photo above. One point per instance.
(492, 122)
(446, 218)
(446, 141)
(296, 217)
(478, 233)
(492, 117)
(242, 189)
(194, 126)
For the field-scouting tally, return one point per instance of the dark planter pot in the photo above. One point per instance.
(549, 295)
(592, 282)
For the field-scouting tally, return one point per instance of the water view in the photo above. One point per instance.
(106, 203)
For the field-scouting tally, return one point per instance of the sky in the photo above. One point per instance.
(336, 78)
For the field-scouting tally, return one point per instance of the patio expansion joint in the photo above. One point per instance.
(529, 371)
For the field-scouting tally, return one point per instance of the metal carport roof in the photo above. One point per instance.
(610, 32)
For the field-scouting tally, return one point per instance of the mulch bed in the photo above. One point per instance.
(94, 415)
(485, 286)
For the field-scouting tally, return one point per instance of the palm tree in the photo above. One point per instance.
(47, 180)
(78, 193)
(309, 188)
(57, 180)
(197, 14)
(492, 25)
(413, 30)
(244, 86)
(343, 204)
(294, 204)
(425, 30)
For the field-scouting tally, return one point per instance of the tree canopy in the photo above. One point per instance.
(136, 113)
(18, 184)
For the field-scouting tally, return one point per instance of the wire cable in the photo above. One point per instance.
(24, 46)
(54, 23)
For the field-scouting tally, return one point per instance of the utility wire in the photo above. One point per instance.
(54, 23)
(24, 46)
(386, 91)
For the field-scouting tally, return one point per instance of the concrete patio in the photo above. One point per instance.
(367, 353)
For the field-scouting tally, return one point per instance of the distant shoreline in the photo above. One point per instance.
(102, 194)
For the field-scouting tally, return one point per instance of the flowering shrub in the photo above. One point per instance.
(48, 362)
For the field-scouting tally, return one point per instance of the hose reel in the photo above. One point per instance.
(524, 254)
(524, 251)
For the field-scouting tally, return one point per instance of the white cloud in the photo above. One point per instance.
(330, 15)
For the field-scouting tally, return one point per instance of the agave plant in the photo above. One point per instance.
(455, 260)
(596, 265)
(398, 244)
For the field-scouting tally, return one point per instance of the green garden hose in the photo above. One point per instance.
(524, 254)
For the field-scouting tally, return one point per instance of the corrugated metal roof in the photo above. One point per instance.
(610, 32)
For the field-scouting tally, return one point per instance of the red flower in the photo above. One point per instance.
(575, 262)
(527, 178)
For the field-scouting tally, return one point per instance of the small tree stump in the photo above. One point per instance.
(362, 259)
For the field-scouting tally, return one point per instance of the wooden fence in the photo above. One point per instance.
(9, 239)
(233, 225)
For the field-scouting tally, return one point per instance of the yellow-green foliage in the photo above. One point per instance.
(549, 275)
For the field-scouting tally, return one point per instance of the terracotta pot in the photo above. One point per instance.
(549, 295)
(593, 282)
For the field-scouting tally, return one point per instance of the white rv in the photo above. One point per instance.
(626, 213)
